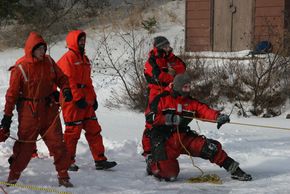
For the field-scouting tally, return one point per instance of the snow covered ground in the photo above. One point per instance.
(264, 153)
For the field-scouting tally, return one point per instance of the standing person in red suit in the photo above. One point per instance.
(80, 113)
(159, 70)
(171, 112)
(32, 89)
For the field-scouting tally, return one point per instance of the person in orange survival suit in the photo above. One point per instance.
(159, 70)
(31, 89)
(80, 113)
(171, 136)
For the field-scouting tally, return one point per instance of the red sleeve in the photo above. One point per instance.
(204, 112)
(177, 64)
(154, 70)
(90, 82)
(13, 91)
(165, 77)
(65, 65)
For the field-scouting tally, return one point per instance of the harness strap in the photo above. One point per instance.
(75, 123)
(151, 80)
(23, 72)
(81, 85)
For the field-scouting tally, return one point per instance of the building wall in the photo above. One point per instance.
(212, 25)
(287, 27)
(269, 21)
(198, 25)
(233, 24)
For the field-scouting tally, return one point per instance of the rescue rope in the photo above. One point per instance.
(32, 109)
(244, 124)
(34, 141)
(183, 146)
(34, 188)
(202, 178)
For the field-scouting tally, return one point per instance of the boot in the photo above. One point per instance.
(9, 182)
(64, 182)
(233, 167)
(148, 164)
(73, 167)
(240, 175)
(12, 178)
(103, 164)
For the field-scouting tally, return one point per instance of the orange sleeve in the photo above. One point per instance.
(90, 83)
(13, 91)
(65, 65)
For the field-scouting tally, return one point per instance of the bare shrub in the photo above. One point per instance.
(268, 84)
(262, 82)
(125, 65)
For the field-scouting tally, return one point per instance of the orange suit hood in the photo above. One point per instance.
(33, 39)
(72, 39)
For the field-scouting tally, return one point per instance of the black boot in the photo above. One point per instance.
(104, 164)
(237, 173)
(148, 164)
(240, 175)
(64, 182)
(73, 167)
(11, 182)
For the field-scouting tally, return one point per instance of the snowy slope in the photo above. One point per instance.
(264, 153)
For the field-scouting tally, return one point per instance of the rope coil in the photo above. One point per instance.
(202, 178)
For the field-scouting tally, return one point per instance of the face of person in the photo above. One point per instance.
(185, 90)
(82, 43)
(39, 52)
(167, 48)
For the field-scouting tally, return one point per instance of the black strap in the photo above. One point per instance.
(155, 68)
(73, 123)
(79, 122)
(151, 80)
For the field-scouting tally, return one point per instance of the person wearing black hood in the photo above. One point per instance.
(159, 70)
(171, 113)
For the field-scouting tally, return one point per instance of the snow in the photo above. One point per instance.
(262, 152)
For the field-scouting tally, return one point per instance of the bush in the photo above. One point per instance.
(261, 82)
(126, 65)
(150, 24)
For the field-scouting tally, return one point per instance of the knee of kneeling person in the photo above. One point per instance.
(167, 170)
(210, 149)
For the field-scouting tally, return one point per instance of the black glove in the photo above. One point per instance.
(172, 119)
(222, 119)
(55, 95)
(4, 134)
(96, 105)
(81, 103)
(6, 122)
(5, 127)
(67, 95)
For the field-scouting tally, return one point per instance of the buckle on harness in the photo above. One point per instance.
(81, 85)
